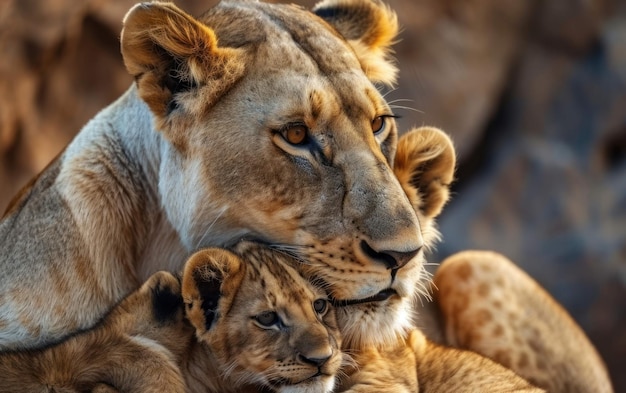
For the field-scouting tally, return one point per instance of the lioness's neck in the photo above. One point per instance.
(86, 225)
(110, 176)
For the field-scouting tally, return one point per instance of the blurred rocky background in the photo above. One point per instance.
(533, 93)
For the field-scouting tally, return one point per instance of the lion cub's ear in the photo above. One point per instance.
(424, 165)
(170, 53)
(210, 278)
(370, 27)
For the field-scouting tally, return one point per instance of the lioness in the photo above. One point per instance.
(255, 120)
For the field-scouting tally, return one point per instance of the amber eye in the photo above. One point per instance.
(295, 134)
(267, 318)
(320, 306)
(378, 124)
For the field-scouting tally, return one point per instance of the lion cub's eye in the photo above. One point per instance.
(267, 318)
(320, 306)
(295, 134)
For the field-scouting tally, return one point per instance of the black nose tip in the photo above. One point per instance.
(390, 258)
(316, 361)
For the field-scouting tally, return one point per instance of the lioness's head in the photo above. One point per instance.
(264, 323)
(424, 165)
(275, 130)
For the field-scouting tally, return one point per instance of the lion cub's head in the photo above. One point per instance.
(263, 322)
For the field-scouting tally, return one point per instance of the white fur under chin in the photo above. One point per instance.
(391, 322)
(392, 319)
(325, 385)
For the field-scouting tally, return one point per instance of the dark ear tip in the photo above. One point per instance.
(329, 12)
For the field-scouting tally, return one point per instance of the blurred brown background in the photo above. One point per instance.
(533, 93)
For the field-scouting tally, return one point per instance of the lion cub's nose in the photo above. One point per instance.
(390, 258)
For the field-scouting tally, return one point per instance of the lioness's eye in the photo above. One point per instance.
(320, 305)
(267, 318)
(296, 134)
(378, 124)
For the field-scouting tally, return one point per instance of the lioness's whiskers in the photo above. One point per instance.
(406, 108)
(290, 251)
(391, 90)
(208, 230)
(399, 100)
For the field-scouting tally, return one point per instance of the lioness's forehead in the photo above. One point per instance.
(289, 34)
(296, 55)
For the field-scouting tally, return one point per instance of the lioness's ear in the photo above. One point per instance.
(370, 27)
(209, 276)
(170, 54)
(424, 165)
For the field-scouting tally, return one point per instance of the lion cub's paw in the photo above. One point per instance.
(164, 290)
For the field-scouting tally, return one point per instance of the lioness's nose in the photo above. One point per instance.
(316, 361)
(392, 259)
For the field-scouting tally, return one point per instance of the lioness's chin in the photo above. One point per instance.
(376, 322)
(318, 384)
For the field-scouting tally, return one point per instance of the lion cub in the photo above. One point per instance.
(236, 323)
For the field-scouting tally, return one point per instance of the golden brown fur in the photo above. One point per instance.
(492, 307)
(130, 350)
(416, 364)
(146, 344)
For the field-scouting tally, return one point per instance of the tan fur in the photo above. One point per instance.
(515, 336)
(415, 364)
(129, 351)
(146, 345)
(492, 307)
(194, 155)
